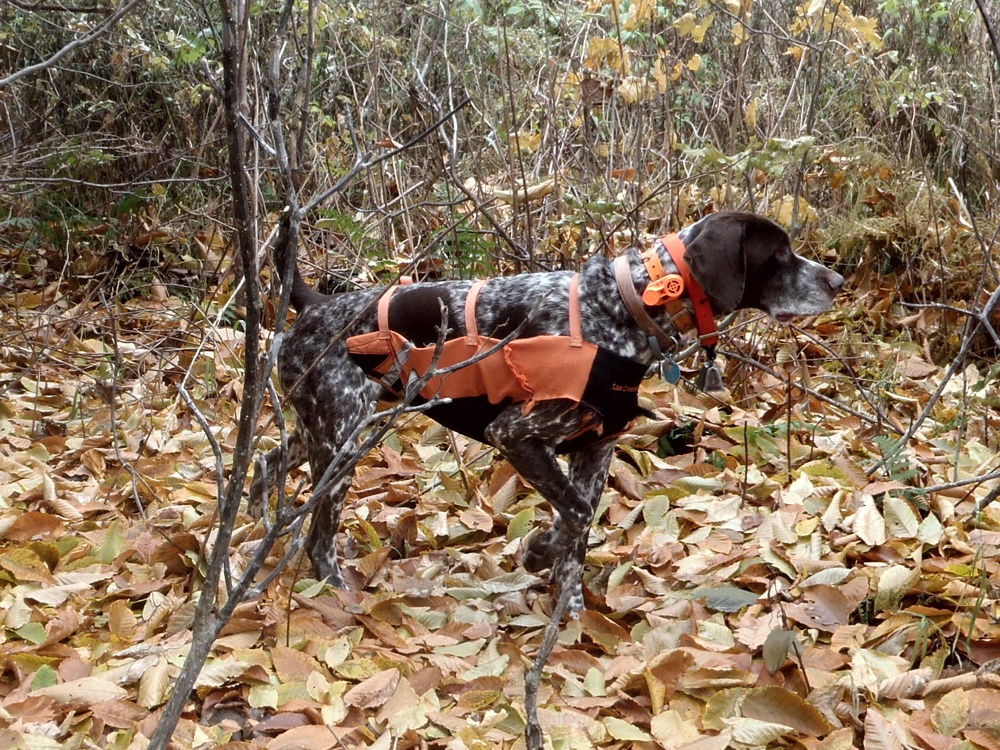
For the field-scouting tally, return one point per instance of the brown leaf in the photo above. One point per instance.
(25, 565)
(404, 697)
(153, 685)
(119, 714)
(84, 692)
(879, 732)
(121, 619)
(374, 691)
(292, 665)
(824, 607)
(95, 463)
(906, 685)
(63, 625)
(664, 674)
(780, 706)
(32, 525)
(311, 737)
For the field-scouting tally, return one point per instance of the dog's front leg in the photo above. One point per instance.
(528, 442)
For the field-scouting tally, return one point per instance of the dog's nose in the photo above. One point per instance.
(835, 281)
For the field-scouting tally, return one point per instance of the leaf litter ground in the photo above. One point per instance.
(757, 589)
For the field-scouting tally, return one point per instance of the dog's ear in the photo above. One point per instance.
(714, 250)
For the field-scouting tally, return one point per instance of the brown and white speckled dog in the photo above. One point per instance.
(740, 260)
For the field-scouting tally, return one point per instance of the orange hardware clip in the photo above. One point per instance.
(663, 290)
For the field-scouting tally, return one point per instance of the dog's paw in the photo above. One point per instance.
(330, 574)
(541, 552)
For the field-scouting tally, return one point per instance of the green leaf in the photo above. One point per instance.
(33, 631)
(594, 684)
(727, 598)
(778, 645)
(622, 730)
(521, 524)
(45, 677)
(263, 696)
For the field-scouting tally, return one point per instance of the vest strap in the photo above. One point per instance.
(575, 324)
(471, 329)
(383, 312)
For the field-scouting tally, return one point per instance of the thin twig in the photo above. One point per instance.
(534, 739)
(70, 48)
(805, 389)
(956, 363)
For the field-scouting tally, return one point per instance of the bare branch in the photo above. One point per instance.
(970, 336)
(70, 48)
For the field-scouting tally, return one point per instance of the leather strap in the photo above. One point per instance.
(626, 288)
(471, 329)
(705, 318)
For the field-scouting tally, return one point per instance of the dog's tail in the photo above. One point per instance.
(303, 295)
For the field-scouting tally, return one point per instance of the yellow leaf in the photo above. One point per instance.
(526, 143)
(785, 208)
(672, 729)
(623, 730)
(689, 25)
(641, 13)
(660, 73)
(25, 565)
(893, 584)
(607, 52)
(750, 116)
(795, 52)
(686, 23)
(694, 63)
(739, 32)
(866, 30)
(951, 714)
(698, 33)
(633, 90)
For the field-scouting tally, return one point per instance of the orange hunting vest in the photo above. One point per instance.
(523, 371)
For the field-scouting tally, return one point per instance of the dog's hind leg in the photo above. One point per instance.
(322, 542)
(330, 421)
(266, 472)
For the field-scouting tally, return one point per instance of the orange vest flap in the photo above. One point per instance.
(368, 343)
(376, 343)
(550, 367)
(489, 376)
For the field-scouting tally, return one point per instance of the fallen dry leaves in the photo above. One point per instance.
(757, 590)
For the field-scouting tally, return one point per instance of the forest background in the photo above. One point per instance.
(810, 561)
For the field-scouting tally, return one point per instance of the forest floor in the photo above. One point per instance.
(761, 586)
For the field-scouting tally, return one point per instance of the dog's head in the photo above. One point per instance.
(744, 260)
